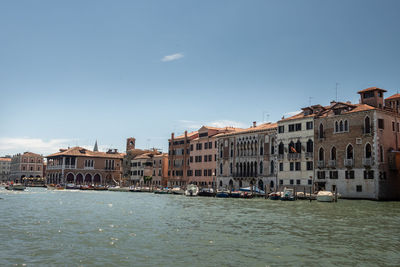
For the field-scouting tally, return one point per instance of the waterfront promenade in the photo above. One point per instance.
(87, 228)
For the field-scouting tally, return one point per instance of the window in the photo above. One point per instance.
(281, 182)
(310, 182)
(204, 172)
(381, 153)
(393, 126)
(191, 159)
(261, 167)
(381, 124)
(298, 146)
(291, 166)
(281, 166)
(191, 147)
(298, 126)
(291, 127)
(205, 145)
(321, 131)
(336, 126)
(291, 181)
(280, 148)
(341, 126)
(349, 174)
(220, 168)
(272, 167)
(349, 152)
(367, 125)
(209, 158)
(368, 174)
(292, 148)
(333, 174)
(261, 151)
(309, 125)
(321, 174)
(281, 129)
(321, 154)
(359, 188)
(310, 146)
(333, 153)
(368, 94)
(368, 152)
(298, 166)
(309, 165)
(210, 145)
(230, 168)
(298, 181)
(346, 126)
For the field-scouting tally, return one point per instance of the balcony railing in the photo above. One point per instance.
(309, 154)
(294, 156)
(280, 156)
(332, 163)
(70, 167)
(321, 164)
(349, 162)
(367, 162)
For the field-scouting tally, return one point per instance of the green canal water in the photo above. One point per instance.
(80, 228)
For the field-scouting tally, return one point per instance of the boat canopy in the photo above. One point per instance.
(255, 190)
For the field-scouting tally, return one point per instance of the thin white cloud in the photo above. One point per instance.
(291, 113)
(195, 125)
(36, 145)
(172, 57)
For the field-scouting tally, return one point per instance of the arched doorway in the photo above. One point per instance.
(240, 183)
(70, 178)
(271, 185)
(88, 178)
(260, 184)
(96, 179)
(79, 178)
(230, 184)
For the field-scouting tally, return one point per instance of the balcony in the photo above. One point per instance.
(54, 167)
(332, 163)
(309, 154)
(69, 167)
(349, 163)
(292, 156)
(367, 162)
(280, 156)
(321, 164)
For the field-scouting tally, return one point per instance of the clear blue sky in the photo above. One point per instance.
(72, 72)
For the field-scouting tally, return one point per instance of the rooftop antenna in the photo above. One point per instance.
(336, 91)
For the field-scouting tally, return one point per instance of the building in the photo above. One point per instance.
(178, 158)
(81, 166)
(203, 156)
(149, 169)
(247, 157)
(356, 147)
(5, 167)
(295, 145)
(26, 166)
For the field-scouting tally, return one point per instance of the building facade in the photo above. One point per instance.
(355, 145)
(203, 156)
(247, 157)
(149, 169)
(5, 167)
(178, 158)
(295, 150)
(81, 166)
(26, 166)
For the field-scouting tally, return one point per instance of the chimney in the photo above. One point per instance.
(254, 124)
(333, 102)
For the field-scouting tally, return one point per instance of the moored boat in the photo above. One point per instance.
(161, 191)
(275, 196)
(288, 195)
(206, 192)
(51, 186)
(191, 190)
(325, 196)
(222, 194)
(16, 187)
(177, 191)
(235, 194)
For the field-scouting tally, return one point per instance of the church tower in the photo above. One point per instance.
(96, 149)
(130, 143)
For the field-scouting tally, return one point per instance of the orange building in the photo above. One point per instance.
(81, 166)
(26, 165)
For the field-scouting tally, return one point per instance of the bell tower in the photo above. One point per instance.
(130, 143)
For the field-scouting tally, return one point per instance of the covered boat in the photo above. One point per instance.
(325, 196)
(17, 187)
(191, 190)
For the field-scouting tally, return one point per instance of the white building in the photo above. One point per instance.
(5, 166)
(247, 157)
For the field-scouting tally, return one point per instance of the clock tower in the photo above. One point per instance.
(130, 143)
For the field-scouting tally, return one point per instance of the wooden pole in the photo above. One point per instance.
(265, 191)
(335, 193)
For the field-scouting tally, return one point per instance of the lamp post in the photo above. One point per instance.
(214, 182)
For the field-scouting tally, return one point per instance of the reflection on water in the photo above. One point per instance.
(81, 228)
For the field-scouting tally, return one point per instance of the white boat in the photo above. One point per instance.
(19, 187)
(325, 196)
(192, 190)
(177, 191)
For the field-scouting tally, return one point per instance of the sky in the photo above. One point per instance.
(73, 72)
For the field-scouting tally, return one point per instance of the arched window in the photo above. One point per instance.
(280, 148)
(341, 126)
(241, 169)
(237, 168)
(368, 152)
(349, 152)
(333, 153)
(261, 151)
(291, 147)
(310, 146)
(298, 146)
(251, 169)
(231, 168)
(272, 167)
(220, 168)
(336, 126)
(261, 167)
(346, 126)
(321, 131)
(381, 153)
(321, 154)
(272, 146)
(367, 125)
(248, 169)
(220, 183)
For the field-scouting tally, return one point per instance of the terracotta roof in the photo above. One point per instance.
(261, 127)
(83, 152)
(188, 135)
(371, 89)
(355, 108)
(393, 97)
(297, 116)
(5, 159)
